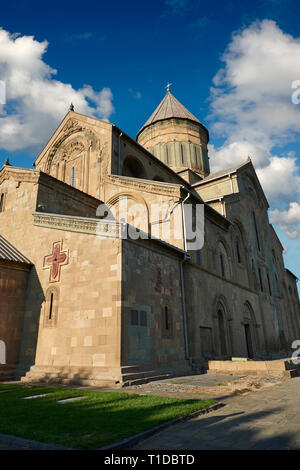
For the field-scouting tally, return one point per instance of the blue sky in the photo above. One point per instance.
(231, 64)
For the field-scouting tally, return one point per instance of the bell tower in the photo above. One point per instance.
(176, 137)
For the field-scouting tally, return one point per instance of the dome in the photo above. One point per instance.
(176, 137)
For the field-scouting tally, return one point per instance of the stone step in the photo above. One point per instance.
(57, 379)
(142, 380)
(277, 367)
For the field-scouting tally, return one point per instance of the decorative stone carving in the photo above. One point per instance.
(55, 261)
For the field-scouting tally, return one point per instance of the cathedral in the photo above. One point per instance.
(100, 283)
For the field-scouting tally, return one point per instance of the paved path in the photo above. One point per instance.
(268, 419)
(17, 443)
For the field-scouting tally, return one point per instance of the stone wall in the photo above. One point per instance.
(13, 283)
(152, 313)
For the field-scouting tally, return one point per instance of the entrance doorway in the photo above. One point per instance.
(248, 341)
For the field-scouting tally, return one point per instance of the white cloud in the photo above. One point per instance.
(36, 102)
(279, 178)
(288, 220)
(251, 107)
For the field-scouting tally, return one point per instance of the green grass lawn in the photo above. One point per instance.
(100, 419)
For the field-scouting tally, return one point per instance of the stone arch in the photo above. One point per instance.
(71, 131)
(133, 168)
(69, 157)
(222, 336)
(250, 327)
(239, 242)
(51, 306)
(223, 258)
(126, 205)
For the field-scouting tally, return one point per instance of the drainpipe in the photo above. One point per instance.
(186, 342)
(184, 225)
(119, 154)
(186, 256)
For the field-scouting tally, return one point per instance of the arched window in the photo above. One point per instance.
(269, 284)
(132, 167)
(1, 202)
(224, 268)
(167, 327)
(260, 280)
(250, 330)
(256, 230)
(182, 153)
(51, 307)
(73, 177)
(167, 319)
(196, 156)
(222, 264)
(222, 332)
(238, 251)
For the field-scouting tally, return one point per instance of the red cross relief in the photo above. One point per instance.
(55, 261)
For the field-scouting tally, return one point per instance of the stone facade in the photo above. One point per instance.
(111, 300)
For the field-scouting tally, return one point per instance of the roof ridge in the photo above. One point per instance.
(169, 108)
(11, 253)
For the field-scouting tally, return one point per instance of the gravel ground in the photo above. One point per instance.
(206, 386)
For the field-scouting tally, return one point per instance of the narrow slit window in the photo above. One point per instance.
(51, 306)
(269, 284)
(182, 154)
(256, 230)
(196, 156)
(73, 177)
(143, 318)
(238, 253)
(167, 324)
(260, 280)
(222, 265)
(134, 317)
(1, 202)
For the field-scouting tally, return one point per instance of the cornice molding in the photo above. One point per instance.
(78, 224)
(145, 186)
(19, 174)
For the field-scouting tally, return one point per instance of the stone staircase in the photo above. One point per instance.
(119, 377)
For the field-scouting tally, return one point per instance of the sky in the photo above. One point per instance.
(235, 65)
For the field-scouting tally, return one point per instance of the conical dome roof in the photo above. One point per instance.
(169, 108)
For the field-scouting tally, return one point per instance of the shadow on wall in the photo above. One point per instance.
(32, 312)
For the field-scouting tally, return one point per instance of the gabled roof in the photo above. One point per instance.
(291, 274)
(220, 173)
(9, 253)
(169, 108)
